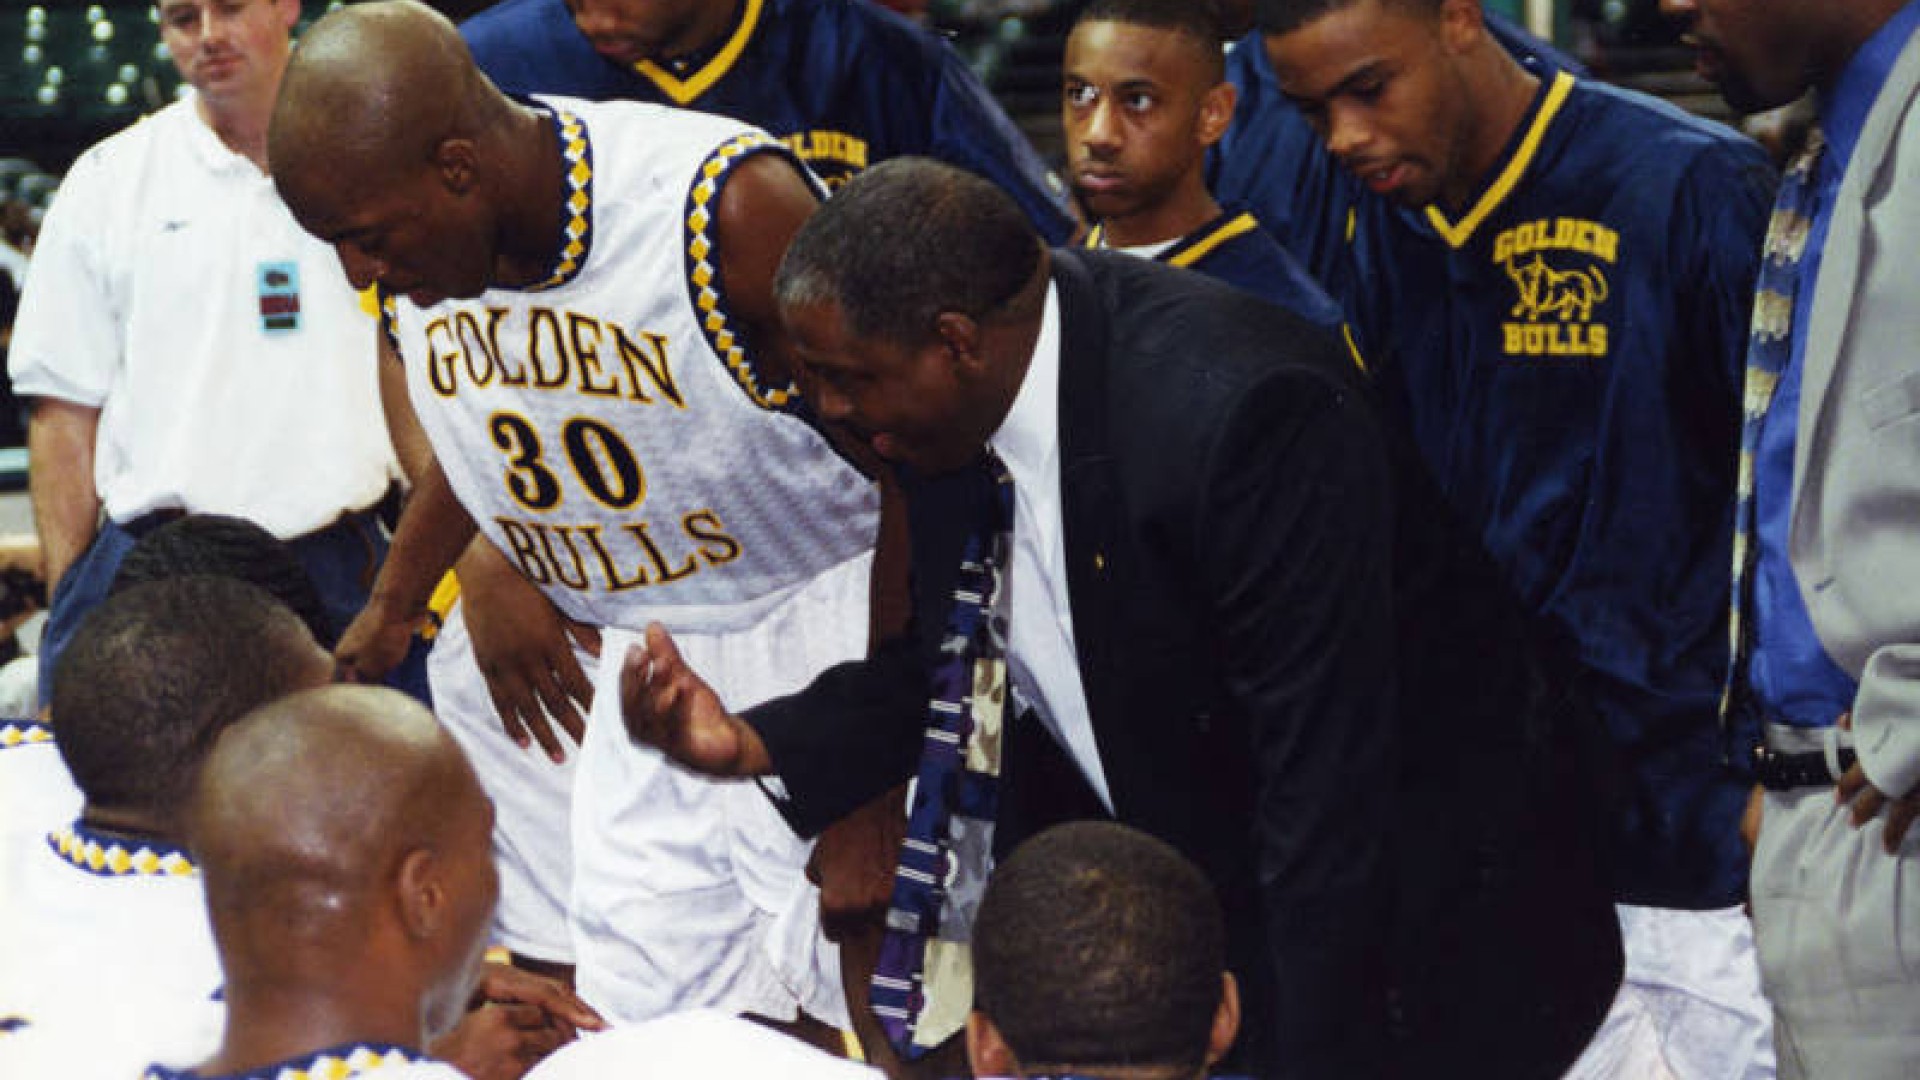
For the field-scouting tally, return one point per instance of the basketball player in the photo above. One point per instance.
(1144, 97)
(581, 295)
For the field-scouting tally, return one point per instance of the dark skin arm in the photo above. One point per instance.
(762, 206)
(434, 530)
(66, 509)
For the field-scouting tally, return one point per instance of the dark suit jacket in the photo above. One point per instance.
(1228, 521)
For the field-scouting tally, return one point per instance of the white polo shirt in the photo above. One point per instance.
(233, 365)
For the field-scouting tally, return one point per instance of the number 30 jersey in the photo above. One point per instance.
(607, 429)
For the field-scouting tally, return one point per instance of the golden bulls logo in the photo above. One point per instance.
(1555, 301)
(1545, 292)
(834, 156)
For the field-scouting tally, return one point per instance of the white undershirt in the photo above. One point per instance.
(1046, 672)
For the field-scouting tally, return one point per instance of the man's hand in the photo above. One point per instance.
(666, 705)
(525, 650)
(504, 984)
(1868, 801)
(373, 644)
(499, 1042)
(516, 1018)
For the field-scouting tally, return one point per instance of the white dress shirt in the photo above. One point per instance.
(1041, 655)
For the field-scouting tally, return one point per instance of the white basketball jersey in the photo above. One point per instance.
(607, 429)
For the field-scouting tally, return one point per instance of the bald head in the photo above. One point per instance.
(375, 83)
(389, 144)
(345, 844)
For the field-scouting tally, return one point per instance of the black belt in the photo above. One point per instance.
(146, 523)
(1779, 771)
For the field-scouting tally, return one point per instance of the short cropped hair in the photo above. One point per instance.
(221, 546)
(1196, 19)
(1286, 16)
(1098, 945)
(156, 672)
(904, 242)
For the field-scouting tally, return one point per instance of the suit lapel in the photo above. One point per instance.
(1833, 297)
(1091, 503)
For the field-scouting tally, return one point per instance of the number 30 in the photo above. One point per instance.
(601, 461)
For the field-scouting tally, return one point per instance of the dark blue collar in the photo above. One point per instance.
(107, 855)
(334, 1063)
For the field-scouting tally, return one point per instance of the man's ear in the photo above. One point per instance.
(1462, 25)
(422, 898)
(987, 1051)
(960, 335)
(1226, 1020)
(456, 160)
(1216, 112)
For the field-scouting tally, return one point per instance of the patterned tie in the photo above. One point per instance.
(1769, 346)
(922, 987)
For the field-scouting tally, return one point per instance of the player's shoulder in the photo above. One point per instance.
(509, 24)
(134, 146)
(867, 32)
(1653, 130)
(659, 129)
(1197, 330)
(700, 1042)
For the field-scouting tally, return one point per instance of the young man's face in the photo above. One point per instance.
(406, 233)
(1758, 52)
(228, 48)
(1380, 82)
(626, 31)
(1140, 107)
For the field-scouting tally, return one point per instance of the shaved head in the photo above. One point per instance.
(345, 844)
(370, 83)
(389, 144)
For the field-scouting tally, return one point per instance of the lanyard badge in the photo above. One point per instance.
(278, 285)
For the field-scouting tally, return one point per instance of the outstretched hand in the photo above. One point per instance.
(665, 705)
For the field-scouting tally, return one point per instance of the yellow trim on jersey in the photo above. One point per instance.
(108, 857)
(345, 1064)
(23, 733)
(683, 91)
(1359, 361)
(577, 234)
(389, 317)
(1457, 235)
(1243, 223)
(440, 605)
(703, 272)
(1093, 239)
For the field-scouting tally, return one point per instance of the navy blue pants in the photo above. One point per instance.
(342, 560)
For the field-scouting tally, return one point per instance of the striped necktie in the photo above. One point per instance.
(922, 987)
(1769, 347)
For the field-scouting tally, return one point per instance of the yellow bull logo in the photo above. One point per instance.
(1544, 291)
